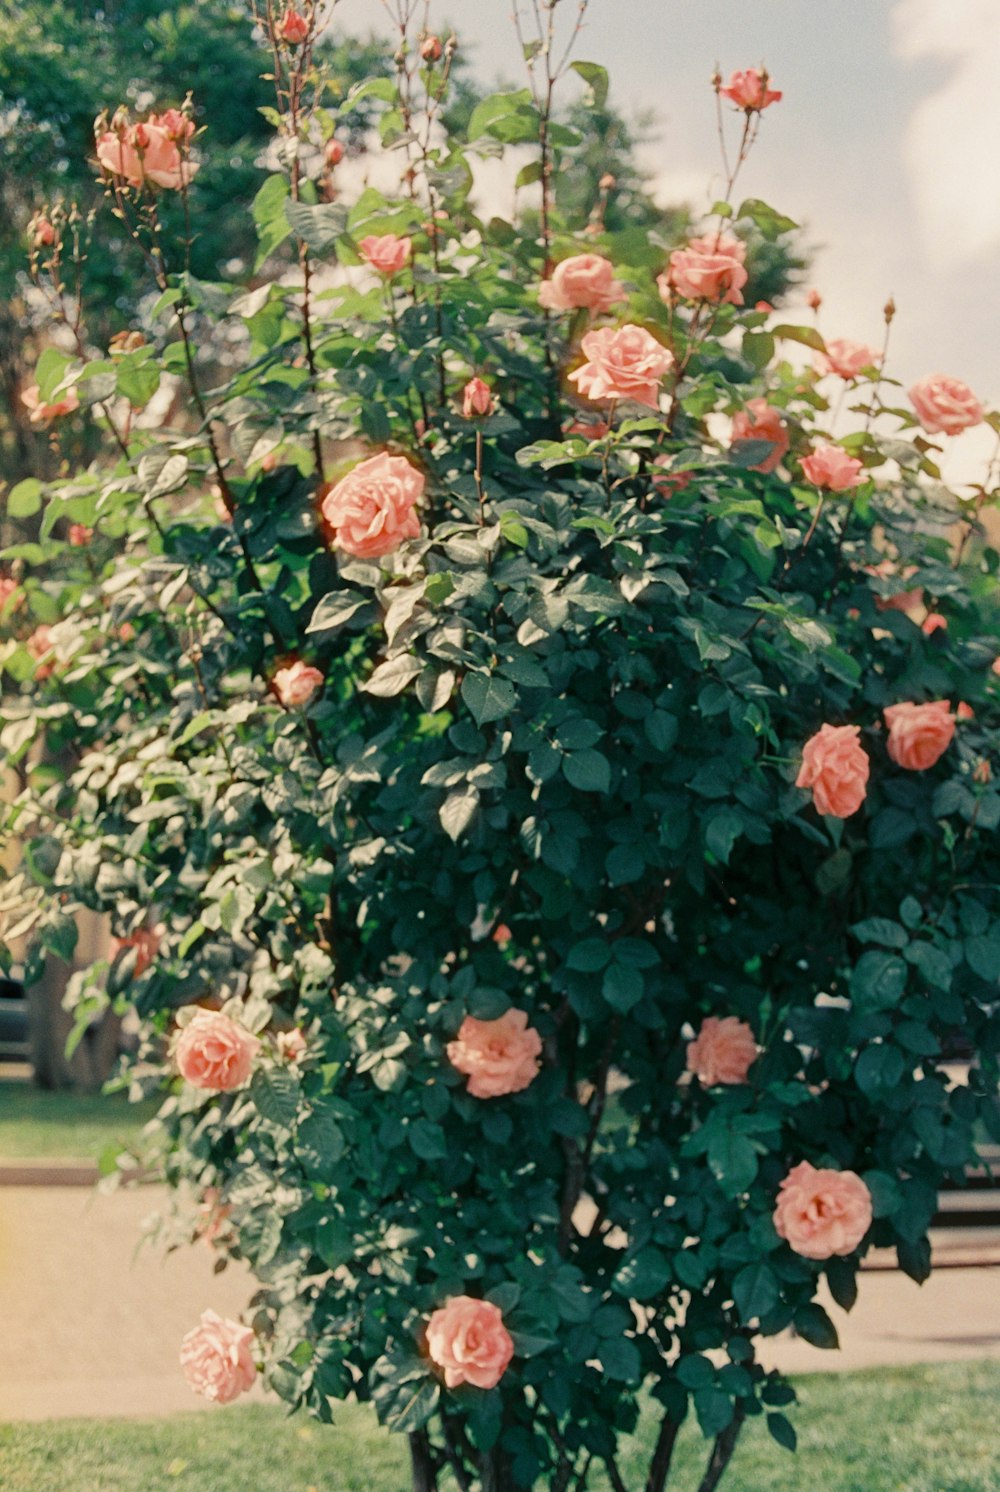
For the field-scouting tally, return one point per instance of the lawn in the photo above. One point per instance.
(35, 1124)
(922, 1429)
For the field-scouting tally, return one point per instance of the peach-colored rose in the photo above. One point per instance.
(80, 535)
(386, 253)
(373, 509)
(836, 766)
(149, 152)
(502, 935)
(723, 1051)
(919, 734)
(213, 1216)
(622, 363)
(477, 400)
(905, 601)
(291, 1045)
(945, 406)
(847, 359)
(431, 49)
(295, 684)
(584, 281)
(42, 649)
(41, 414)
(213, 1052)
(8, 590)
(41, 232)
(813, 300)
(292, 27)
(708, 268)
(934, 622)
(589, 429)
(964, 711)
(334, 152)
(761, 421)
(831, 467)
(467, 1339)
(497, 1057)
(126, 632)
(146, 942)
(668, 482)
(822, 1213)
(748, 90)
(217, 1358)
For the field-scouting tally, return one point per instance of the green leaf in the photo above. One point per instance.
(814, 1326)
(589, 956)
(643, 1276)
(880, 930)
(620, 1359)
(427, 1139)
(733, 1161)
(275, 1095)
(137, 378)
(714, 1409)
(807, 335)
(771, 223)
(722, 831)
(321, 227)
(878, 980)
(457, 812)
(879, 1068)
(392, 677)
(25, 499)
(50, 370)
(269, 214)
(488, 697)
(588, 771)
(622, 987)
(755, 1291)
(490, 115)
(596, 78)
(842, 1278)
(783, 1431)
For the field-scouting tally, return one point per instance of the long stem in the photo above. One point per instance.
(663, 1454)
(722, 1452)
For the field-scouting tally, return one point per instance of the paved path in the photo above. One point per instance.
(89, 1327)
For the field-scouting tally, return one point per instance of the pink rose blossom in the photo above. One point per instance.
(836, 766)
(498, 1057)
(42, 232)
(373, 509)
(149, 152)
(822, 1213)
(905, 601)
(761, 421)
(748, 90)
(387, 253)
(709, 268)
(919, 734)
(213, 1052)
(293, 27)
(945, 406)
(8, 590)
(42, 649)
(291, 1045)
(80, 535)
(934, 622)
(41, 414)
(964, 711)
(723, 1051)
(502, 935)
(295, 684)
(146, 942)
(477, 400)
(831, 467)
(334, 152)
(217, 1358)
(622, 363)
(582, 282)
(467, 1340)
(668, 482)
(847, 359)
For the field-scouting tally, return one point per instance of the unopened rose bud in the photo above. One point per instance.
(983, 772)
(334, 152)
(268, 462)
(889, 310)
(608, 182)
(814, 300)
(123, 342)
(80, 535)
(765, 306)
(477, 400)
(42, 232)
(716, 79)
(293, 28)
(126, 632)
(431, 49)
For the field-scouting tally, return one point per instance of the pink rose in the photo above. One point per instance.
(431, 49)
(477, 399)
(334, 152)
(498, 1057)
(467, 1339)
(146, 942)
(149, 152)
(293, 27)
(214, 1052)
(748, 90)
(964, 711)
(761, 421)
(42, 649)
(919, 734)
(213, 1216)
(904, 601)
(836, 766)
(708, 268)
(41, 232)
(847, 359)
(934, 622)
(41, 413)
(295, 684)
(388, 254)
(80, 535)
(723, 1051)
(622, 363)
(945, 406)
(831, 467)
(668, 482)
(373, 509)
(502, 935)
(8, 590)
(291, 1045)
(584, 281)
(217, 1358)
(821, 1213)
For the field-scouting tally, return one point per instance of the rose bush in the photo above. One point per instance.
(572, 876)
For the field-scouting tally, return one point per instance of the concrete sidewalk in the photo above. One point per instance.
(92, 1328)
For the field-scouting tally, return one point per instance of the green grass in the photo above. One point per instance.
(36, 1125)
(922, 1429)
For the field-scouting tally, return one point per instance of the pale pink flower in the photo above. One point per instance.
(846, 358)
(748, 90)
(372, 510)
(836, 766)
(149, 152)
(386, 253)
(709, 268)
(831, 467)
(964, 711)
(41, 414)
(498, 1057)
(477, 400)
(622, 363)
(934, 622)
(8, 590)
(217, 1358)
(146, 942)
(467, 1340)
(905, 601)
(295, 684)
(215, 1053)
(723, 1051)
(583, 281)
(945, 406)
(822, 1213)
(761, 421)
(80, 535)
(42, 649)
(293, 27)
(333, 152)
(502, 935)
(919, 735)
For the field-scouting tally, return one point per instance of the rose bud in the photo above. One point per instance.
(42, 233)
(431, 49)
(476, 399)
(334, 152)
(292, 27)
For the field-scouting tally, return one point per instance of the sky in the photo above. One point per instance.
(885, 148)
